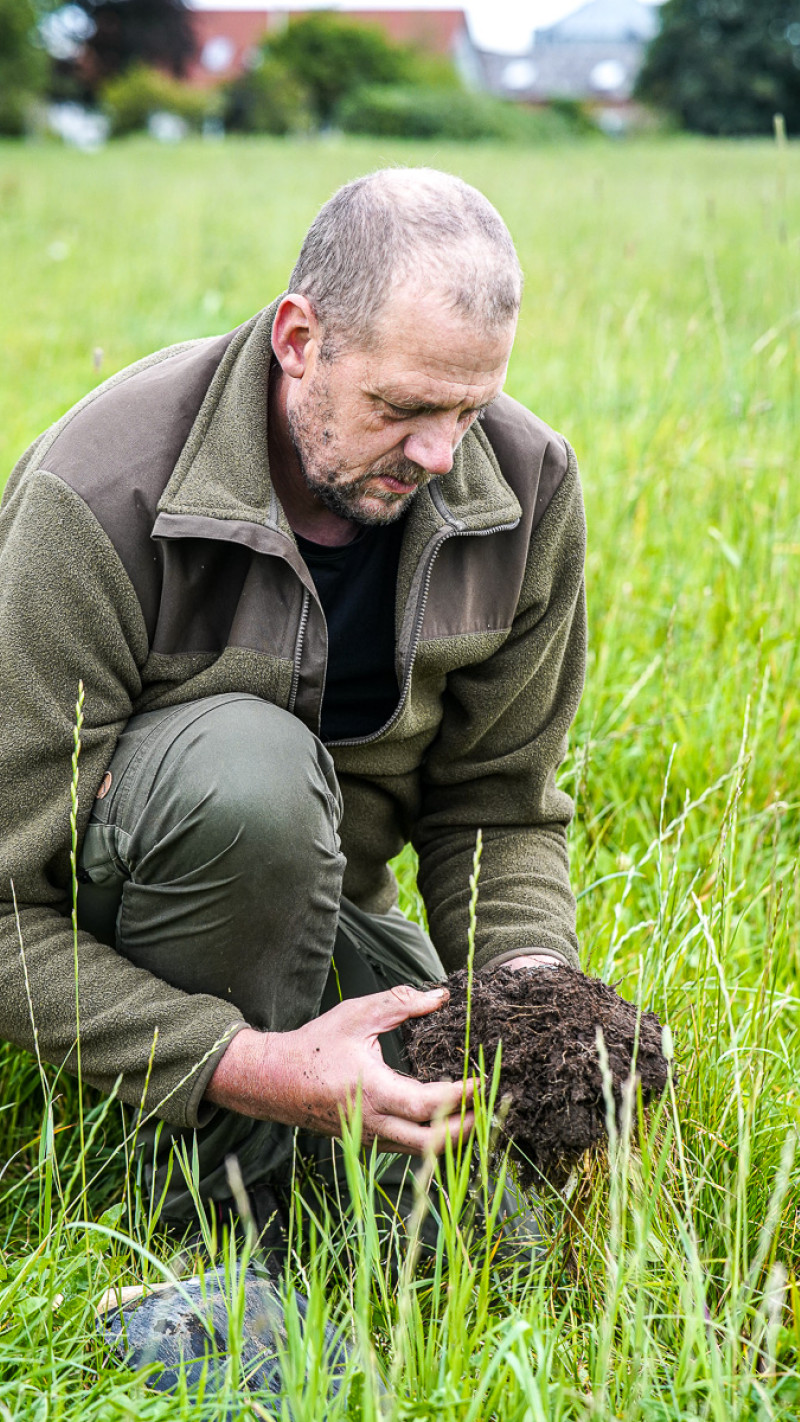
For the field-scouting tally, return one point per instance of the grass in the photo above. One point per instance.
(660, 332)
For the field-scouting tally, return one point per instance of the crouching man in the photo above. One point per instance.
(323, 584)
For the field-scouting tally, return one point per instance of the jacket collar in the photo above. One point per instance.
(222, 473)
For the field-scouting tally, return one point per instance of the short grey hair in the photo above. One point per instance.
(402, 224)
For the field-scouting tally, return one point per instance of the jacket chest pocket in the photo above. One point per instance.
(220, 595)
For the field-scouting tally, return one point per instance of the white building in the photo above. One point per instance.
(591, 56)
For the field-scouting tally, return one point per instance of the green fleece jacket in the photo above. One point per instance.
(144, 552)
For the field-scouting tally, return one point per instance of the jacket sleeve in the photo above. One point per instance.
(492, 766)
(69, 613)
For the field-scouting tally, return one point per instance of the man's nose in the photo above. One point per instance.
(431, 448)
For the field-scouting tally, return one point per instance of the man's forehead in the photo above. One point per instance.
(417, 311)
(426, 355)
(435, 379)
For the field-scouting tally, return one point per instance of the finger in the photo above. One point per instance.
(381, 1011)
(407, 1138)
(402, 1096)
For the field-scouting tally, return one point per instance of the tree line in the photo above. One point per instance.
(726, 67)
(129, 58)
(722, 67)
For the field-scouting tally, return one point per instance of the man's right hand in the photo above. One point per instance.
(310, 1077)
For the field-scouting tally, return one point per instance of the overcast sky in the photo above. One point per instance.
(504, 25)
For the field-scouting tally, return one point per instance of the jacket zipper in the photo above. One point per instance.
(298, 648)
(456, 529)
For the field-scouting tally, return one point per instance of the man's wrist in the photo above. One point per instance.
(527, 957)
(533, 960)
(247, 1076)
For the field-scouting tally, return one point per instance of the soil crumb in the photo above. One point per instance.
(547, 1020)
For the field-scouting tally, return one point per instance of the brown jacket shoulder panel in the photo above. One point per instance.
(533, 458)
(118, 449)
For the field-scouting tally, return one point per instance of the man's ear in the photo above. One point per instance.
(295, 335)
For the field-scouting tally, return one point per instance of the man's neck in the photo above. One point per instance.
(306, 514)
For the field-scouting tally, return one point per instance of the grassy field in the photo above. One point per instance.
(660, 333)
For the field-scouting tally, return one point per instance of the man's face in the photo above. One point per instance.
(371, 427)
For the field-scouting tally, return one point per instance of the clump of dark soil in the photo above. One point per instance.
(547, 1021)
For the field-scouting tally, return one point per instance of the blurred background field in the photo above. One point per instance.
(659, 333)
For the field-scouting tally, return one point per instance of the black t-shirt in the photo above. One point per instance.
(356, 585)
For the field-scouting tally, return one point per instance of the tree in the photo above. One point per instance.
(726, 66)
(106, 37)
(332, 57)
(23, 66)
(131, 99)
(267, 99)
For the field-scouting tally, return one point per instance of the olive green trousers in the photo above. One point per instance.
(212, 859)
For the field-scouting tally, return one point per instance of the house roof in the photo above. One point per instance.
(602, 21)
(436, 30)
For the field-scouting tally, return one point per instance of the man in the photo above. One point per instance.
(322, 583)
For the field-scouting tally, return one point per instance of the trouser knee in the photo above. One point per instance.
(219, 836)
(245, 783)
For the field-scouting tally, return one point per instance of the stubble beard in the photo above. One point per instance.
(344, 496)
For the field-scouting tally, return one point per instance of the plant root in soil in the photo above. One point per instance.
(547, 1021)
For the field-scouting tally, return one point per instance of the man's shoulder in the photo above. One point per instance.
(115, 451)
(533, 457)
(135, 423)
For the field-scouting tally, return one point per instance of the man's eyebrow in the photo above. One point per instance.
(414, 408)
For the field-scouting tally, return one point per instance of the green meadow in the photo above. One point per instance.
(659, 332)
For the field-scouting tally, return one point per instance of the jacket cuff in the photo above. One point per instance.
(497, 961)
(199, 1111)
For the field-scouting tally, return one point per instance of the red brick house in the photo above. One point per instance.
(225, 39)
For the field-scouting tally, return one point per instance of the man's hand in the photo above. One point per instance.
(310, 1077)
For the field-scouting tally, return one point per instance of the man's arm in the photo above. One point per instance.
(68, 614)
(493, 764)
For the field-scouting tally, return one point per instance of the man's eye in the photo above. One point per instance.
(396, 412)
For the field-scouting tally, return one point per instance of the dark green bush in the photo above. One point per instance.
(267, 99)
(417, 111)
(312, 67)
(130, 99)
(332, 56)
(726, 67)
